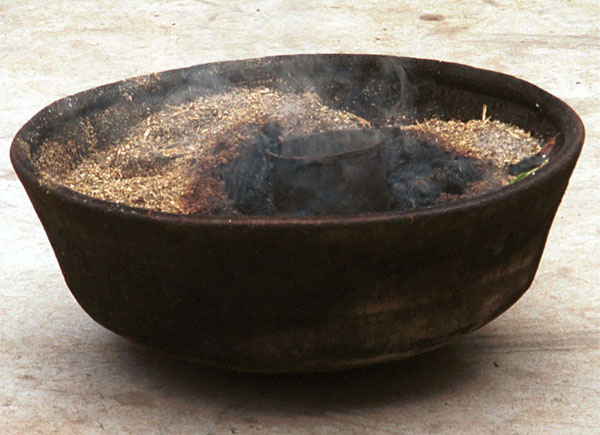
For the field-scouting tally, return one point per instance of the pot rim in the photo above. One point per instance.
(569, 123)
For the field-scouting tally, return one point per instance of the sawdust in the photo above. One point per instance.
(489, 140)
(173, 160)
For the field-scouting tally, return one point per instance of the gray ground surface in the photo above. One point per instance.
(535, 369)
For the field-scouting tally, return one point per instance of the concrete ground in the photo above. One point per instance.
(536, 369)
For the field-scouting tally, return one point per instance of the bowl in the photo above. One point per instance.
(301, 293)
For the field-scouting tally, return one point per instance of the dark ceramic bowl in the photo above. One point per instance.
(282, 294)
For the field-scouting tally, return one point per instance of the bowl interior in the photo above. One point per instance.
(376, 88)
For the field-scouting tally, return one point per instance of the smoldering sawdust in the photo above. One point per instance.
(172, 161)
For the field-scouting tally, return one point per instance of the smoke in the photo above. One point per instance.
(346, 171)
(334, 172)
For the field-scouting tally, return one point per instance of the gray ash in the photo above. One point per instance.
(422, 172)
(247, 177)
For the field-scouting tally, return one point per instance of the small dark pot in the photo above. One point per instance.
(338, 172)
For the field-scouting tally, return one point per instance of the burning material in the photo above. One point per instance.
(426, 170)
(215, 155)
(337, 172)
(348, 172)
(172, 161)
(488, 140)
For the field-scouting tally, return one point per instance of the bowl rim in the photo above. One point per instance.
(553, 108)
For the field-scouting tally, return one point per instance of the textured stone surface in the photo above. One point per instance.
(535, 369)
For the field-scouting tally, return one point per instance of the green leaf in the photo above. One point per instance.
(523, 175)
